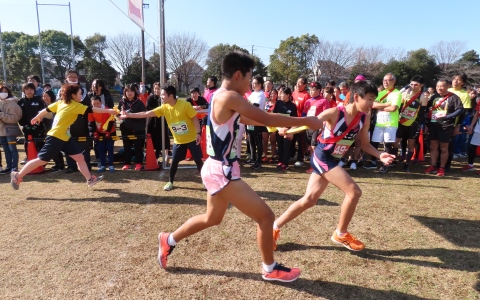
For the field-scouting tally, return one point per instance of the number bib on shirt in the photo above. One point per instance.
(383, 117)
(312, 111)
(180, 127)
(341, 147)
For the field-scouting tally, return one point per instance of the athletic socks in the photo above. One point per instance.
(170, 240)
(268, 268)
(409, 156)
(340, 234)
(275, 226)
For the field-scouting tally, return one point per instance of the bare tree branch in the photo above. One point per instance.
(333, 58)
(185, 56)
(447, 53)
(121, 50)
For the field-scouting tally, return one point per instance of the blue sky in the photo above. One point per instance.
(405, 24)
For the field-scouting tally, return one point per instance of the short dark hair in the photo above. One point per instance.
(418, 78)
(195, 89)
(95, 97)
(214, 79)
(47, 84)
(52, 96)
(170, 90)
(332, 82)
(462, 76)
(237, 61)
(443, 79)
(9, 91)
(70, 71)
(362, 88)
(259, 80)
(34, 77)
(304, 79)
(28, 86)
(131, 88)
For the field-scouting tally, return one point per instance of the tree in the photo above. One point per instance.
(447, 53)
(21, 55)
(423, 63)
(293, 58)
(56, 47)
(333, 58)
(185, 53)
(122, 50)
(95, 63)
(218, 52)
(215, 57)
(469, 63)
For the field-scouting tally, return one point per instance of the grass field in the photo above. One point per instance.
(63, 240)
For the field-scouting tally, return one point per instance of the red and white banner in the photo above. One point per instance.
(135, 12)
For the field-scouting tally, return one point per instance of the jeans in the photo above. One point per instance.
(103, 147)
(10, 149)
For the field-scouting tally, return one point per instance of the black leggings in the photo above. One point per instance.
(138, 145)
(179, 153)
(256, 145)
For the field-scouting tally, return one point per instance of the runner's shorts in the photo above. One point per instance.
(322, 161)
(216, 175)
(54, 145)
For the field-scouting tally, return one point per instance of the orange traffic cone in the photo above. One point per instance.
(32, 154)
(421, 152)
(151, 163)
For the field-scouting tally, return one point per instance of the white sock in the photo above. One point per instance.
(340, 234)
(275, 226)
(171, 241)
(268, 268)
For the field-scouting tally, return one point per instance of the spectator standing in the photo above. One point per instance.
(49, 98)
(210, 88)
(300, 96)
(155, 124)
(10, 114)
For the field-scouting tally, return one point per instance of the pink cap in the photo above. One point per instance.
(360, 78)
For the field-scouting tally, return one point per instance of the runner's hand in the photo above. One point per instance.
(386, 158)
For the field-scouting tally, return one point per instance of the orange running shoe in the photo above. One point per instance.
(164, 249)
(281, 273)
(276, 236)
(348, 241)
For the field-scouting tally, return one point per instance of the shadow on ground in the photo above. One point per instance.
(317, 288)
(462, 233)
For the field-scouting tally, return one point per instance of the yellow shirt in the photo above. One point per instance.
(65, 115)
(179, 119)
(389, 119)
(463, 95)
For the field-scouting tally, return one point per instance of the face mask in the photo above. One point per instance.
(3, 95)
(72, 82)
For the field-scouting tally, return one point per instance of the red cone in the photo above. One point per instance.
(151, 163)
(32, 154)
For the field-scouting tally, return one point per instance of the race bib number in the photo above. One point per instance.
(341, 147)
(409, 113)
(180, 128)
(210, 150)
(312, 111)
(383, 117)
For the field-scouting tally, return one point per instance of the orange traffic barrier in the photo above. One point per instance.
(151, 163)
(478, 150)
(32, 154)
